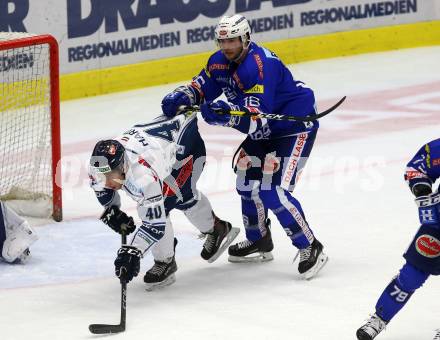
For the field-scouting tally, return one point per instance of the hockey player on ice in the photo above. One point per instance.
(423, 255)
(157, 165)
(272, 156)
(16, 236)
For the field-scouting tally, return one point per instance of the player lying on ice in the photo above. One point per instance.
(16, 236)
(157, 165)
(423, 255)
(272, 156)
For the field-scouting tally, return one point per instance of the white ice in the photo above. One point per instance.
(352, 191)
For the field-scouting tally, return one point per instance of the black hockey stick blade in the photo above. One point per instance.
(323, 113)
(98, 328)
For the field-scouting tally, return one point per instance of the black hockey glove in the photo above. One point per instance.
(118, 220)
(127, 263)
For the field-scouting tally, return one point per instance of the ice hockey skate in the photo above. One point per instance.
(311, 260)
(218, 239)
(371, 329)
(248, 251)
(162, 273)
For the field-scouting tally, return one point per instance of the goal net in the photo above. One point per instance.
(30, 174)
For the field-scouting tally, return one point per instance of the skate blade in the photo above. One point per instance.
(156, 286)
(320, 263)
(252, 258)
(226, 242)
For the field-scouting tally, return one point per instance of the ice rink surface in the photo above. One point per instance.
(352, 191)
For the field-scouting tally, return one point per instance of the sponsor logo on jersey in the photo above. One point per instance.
(238, 81)
(256, 89)
(302, 223)
(412, 173)
(261, 213)
(428, 246)
(293, 160)
(218, 67)
(436, 162)
(132, 188)
(259, 65)
(428, 156)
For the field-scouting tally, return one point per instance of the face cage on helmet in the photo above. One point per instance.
(100, 178)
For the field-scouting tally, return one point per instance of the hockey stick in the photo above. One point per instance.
(98, 328)
(273, 116)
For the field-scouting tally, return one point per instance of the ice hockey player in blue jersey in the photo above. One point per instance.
(271, 158)
(157, 165)
(423, 255)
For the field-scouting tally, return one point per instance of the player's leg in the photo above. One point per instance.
(197, 208)
(392, 300)
(258, 244)
(284, 162)
(162, 272)
(16, 236)
(219, 233)
(423, 259)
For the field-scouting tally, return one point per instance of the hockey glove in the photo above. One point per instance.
(182, 96)
(215, 113)
(127, 263)
(118, 220)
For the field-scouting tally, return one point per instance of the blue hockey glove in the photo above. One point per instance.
(127, 263)
(182, 96)
(211, 112)
(118, 220)
(429, 209)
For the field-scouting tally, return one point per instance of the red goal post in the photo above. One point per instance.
(30, 148)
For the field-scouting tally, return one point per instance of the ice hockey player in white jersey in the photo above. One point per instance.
(157, 165)
(16, 236)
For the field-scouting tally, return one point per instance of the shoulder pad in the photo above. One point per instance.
(250, 72)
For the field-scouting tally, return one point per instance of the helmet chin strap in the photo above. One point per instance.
(243, 53)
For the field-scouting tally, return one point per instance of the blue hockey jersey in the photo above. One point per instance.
(424, 167)
(261, 83)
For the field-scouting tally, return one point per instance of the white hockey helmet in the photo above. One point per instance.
(232, 27)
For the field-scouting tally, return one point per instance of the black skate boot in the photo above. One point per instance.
(248, 251)
(162, 273)
(312, 259)
(218, 239)
(371, 329)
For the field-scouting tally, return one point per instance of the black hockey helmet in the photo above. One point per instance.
(107, 155)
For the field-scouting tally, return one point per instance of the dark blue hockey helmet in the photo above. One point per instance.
(107, 155)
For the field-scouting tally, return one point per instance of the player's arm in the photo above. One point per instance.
(420, 176)
(419, 173)
(202, 88)
(112, 216)
(151, 211)
(258, 97)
